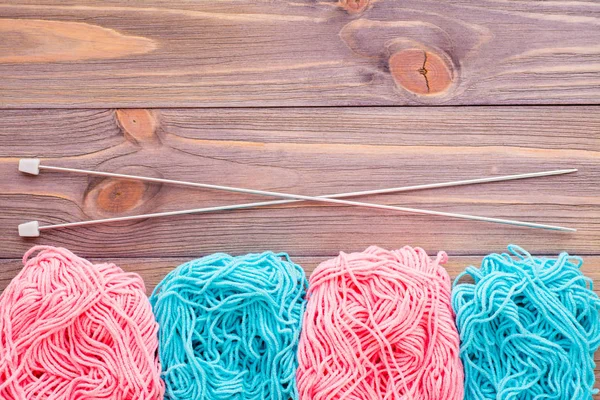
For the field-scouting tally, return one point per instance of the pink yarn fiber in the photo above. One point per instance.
(379, 325)
(71, 330)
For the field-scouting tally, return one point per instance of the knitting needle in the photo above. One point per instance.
(32, 166)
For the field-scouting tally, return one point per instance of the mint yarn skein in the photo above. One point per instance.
(529, 327)
(229, 327)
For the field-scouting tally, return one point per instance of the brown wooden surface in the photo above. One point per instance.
(158, 53)
(254, 94)
(303, 151)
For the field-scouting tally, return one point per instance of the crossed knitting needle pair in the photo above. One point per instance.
(33, 166)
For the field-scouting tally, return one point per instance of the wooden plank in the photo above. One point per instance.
(302, 151)
(154, 53)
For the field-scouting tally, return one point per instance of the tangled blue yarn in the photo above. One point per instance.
(229, 327)
(529, 328)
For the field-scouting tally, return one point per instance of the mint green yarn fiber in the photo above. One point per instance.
(529, 327)
(229, 327)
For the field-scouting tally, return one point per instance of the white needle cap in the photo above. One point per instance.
(29, 229)
(29, 165)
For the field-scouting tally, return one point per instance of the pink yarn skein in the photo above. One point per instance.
(379, 325)
(71, 330)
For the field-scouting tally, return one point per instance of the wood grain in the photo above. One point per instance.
(254, 94)
(304, 151)
(154, 53)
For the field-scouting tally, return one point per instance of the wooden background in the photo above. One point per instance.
(307, 97)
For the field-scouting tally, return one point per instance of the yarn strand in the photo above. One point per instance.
(229, 327)
(73, 330)
(379, 325)
(529, 328)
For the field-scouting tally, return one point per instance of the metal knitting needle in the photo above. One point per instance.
(32, 166)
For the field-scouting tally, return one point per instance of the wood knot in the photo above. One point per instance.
(110, 197)
(421, 72)
(354, 6)
(138, 125)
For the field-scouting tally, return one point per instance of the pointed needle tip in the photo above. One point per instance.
(568, 229)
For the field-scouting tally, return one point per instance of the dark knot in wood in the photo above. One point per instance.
(138, 125)
(354, 6)
(112, 197)
(421, 72)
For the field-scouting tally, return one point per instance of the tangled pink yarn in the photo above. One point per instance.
(71, 330)
(379, 325)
